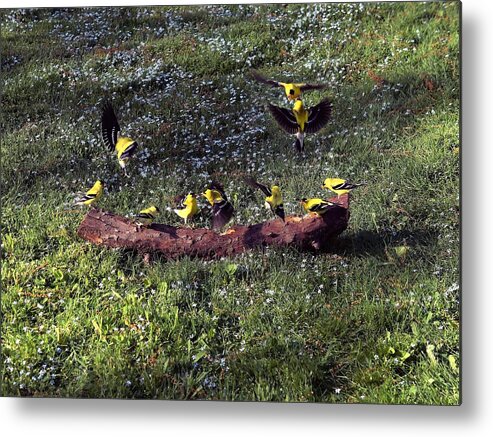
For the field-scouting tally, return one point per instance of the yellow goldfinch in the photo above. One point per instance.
(147, 216)
(188, 206)
(273, 201)
(125, 147)
(339, 186)
(301, 120)
(92, 195)
(292, 90)
(222, 209)
(316, 206)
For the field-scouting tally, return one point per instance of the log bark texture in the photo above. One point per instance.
(305, 233)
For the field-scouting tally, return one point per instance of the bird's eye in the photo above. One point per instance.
(291, 92)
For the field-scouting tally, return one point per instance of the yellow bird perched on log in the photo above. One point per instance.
(273, 199)
(92, 195)
(301, 120)
(339, 186)
(316, 206)
(125, 147)
(187, 206)
(292, 90)
(147, 216)
(222, 209)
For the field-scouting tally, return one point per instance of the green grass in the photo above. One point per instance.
(376, 320)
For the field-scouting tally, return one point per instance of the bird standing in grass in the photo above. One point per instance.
(292, 90)
(273, 199)
(316, 206)
(301, 120)
(147, 216)
(222, 209)
(92, 195)
(125, 147)
(187, 206)
(339, 186)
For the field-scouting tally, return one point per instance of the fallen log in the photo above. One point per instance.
(305, 233)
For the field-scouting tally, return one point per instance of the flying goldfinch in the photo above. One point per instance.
(301, 120)
(273, 200)
(125, 147)
(339, 186)
(222, 209)
(147, 216)
(292, 90)
(92, 195)
(316, 206)
(187, 206)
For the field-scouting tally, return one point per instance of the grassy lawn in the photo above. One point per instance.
(374, 321)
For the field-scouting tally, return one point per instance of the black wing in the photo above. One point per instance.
(319, 116)
(129, 151)
(254, 184)
(145, 215)
(260, 78)
(279, 211)
(222, 213)
(312, 86)
(85, 197)
(322, 206)
(284, 118)
(345, 186)
(109, 126)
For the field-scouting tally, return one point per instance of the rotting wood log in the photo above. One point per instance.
(305, 233)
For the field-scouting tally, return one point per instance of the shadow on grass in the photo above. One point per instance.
(378, 243)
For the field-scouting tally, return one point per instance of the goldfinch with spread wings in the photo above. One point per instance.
(147, 216)
(316, 206)
(187, 206)
(273, 199)
(125, 147)
(292, 90)
(92, 195)
(300, 120)
(339, 186)
(222, 209)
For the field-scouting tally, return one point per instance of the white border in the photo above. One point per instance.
(39, 417)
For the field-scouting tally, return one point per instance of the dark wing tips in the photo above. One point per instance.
(347, 186)
(313, 86)
(255, 185)
(262, 79)
(250, 182)
(284, 118)
(109, 125)
(107, 107)
(108, 113)
(319, 116)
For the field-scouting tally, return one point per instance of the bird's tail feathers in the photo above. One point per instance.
(299, 142)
